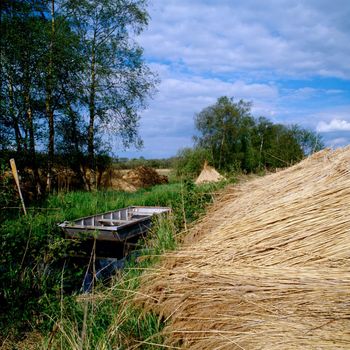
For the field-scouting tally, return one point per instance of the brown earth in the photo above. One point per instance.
(132, 180)
(143, 177)
(65, 179)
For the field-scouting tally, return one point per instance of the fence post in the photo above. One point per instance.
(15, 175)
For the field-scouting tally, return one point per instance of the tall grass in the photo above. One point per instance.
(107, 318)
(34, 274)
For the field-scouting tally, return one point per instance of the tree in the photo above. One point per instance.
(237, 140)
(61, 68)
(39, 65)
(70, 62)
(225, 130)
(22, 46)
(309, 141)
(117, 79)
(189, 162)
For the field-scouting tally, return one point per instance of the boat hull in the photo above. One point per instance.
(116, 226)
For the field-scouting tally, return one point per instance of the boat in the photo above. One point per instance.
(116, 226)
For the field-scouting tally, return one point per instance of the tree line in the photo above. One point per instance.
(71, 71)
(231, 139)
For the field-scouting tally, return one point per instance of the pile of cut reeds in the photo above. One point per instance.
(267, 268)
(208, 174)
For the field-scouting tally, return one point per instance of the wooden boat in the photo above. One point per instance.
(116, 226)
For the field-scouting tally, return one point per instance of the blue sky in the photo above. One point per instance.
(290, 58)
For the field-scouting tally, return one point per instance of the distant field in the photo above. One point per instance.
(163, 171)
(159, 171)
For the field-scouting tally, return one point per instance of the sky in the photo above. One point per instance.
(290, 58)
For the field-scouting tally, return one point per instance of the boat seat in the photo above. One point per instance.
(111, 221)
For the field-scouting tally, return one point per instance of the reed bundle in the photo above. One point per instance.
(267, 268)
(208, 174)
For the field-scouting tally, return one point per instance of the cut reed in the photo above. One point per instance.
(267, 268)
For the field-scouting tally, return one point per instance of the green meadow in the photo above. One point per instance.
(36, 280)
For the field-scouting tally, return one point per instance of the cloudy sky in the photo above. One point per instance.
(290, 58)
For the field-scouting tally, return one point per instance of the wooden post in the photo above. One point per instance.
(15, 175)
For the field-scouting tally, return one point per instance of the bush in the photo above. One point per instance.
(189, 162)
(8, 195)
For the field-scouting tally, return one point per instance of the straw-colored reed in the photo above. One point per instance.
(267, 268)
(208, 174)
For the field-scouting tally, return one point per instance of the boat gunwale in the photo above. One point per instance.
(70, 224)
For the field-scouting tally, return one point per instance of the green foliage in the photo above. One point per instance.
(113, 320)
(309, 141)
(236, 140)
(116, 81)
(8, 195)
(34, 254)
(224, 129)
(124, 163)
(31, 245)
(70, 71)
(189, 162)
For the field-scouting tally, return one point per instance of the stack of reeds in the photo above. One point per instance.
(208, 174)
(268, 268)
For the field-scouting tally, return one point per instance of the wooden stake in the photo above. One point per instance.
(15, 175)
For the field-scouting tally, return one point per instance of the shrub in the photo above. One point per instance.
(190, 161)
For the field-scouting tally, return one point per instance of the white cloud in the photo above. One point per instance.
(171, 113)
(180, 97)
(333, 125)
(272, 37)
(338, 142)
(268, 52)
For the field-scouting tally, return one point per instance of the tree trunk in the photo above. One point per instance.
(92, 111)
(77, 165)
(26, 138)
(32, 144)
(48, 104)
(222, 147)
(261, 147)
(17, 135)
(50, 116)
(14, 119)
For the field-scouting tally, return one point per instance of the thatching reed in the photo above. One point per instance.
(268, 268)
(208, 174)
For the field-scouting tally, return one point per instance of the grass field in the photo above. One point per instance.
(35, 275)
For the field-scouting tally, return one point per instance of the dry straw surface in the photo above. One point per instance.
(267, 268)
(208, 174)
